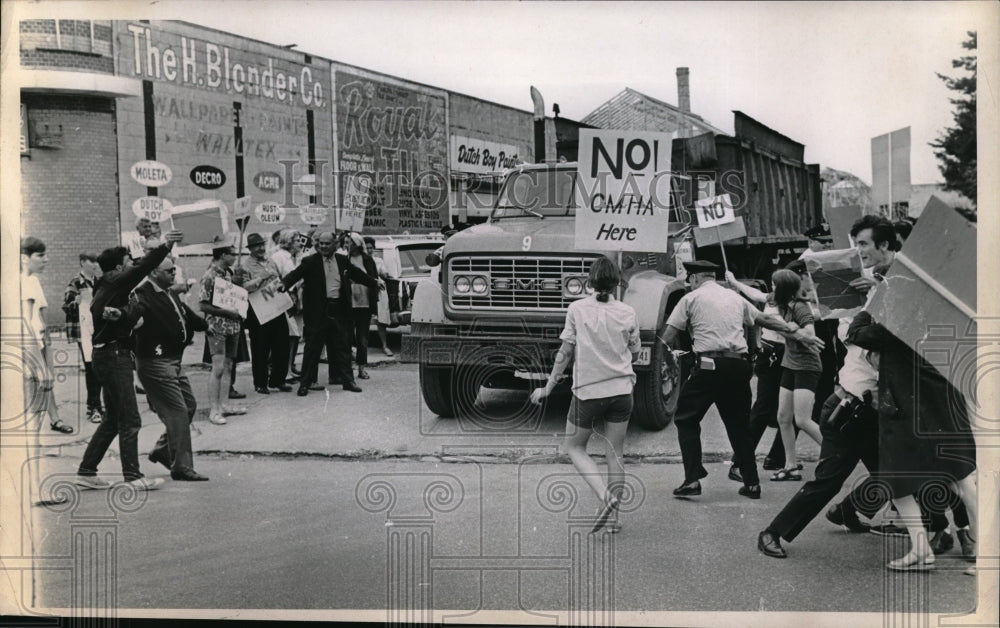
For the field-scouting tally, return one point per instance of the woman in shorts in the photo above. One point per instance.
(603, 334)
(800, 372)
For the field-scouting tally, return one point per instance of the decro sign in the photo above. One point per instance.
(623, 191)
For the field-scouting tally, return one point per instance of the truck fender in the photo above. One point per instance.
(652, 295)
(427, 303)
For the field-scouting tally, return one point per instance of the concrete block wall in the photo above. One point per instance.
(489, 121)
(70, 193)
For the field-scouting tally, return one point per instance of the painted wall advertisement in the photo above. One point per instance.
(392, 152)
(475, 156)
(212, 99)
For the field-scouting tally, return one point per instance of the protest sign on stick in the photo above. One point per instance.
(832, 273)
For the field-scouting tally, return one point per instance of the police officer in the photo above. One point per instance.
(714, 317)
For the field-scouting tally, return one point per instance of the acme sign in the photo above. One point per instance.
(210, 66)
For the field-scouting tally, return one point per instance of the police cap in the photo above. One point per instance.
(820, 232)
(701, 266)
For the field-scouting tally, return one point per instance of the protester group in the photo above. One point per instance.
(849, 384)
(127, 311)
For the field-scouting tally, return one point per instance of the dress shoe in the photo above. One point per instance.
(941, 542)
(968, 544)
(770, 464)
(303, 391)
(688, 489)
(282, 388)
(752, 491)
(159, 456)
(889, 529)
(840, 515)
(352, 386)
(735, 475)
(770, 545)
(235, 394)
(188, 475)
(261, 390)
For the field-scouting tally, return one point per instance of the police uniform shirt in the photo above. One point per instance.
(715, 317)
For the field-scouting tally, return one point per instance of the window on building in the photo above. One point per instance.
(87, 36)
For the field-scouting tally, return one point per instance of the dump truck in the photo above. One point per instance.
(492, 315)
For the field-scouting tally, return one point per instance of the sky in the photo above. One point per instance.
(828, 75)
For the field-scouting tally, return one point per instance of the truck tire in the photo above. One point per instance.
(436, 385)
(658, 389)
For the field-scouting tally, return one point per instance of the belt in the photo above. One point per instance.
(723, 354)
(853, 398)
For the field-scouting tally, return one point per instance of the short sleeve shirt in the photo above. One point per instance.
(218, 325)
(31, 290)
(605, 336)
(715, 317)
(797, 356)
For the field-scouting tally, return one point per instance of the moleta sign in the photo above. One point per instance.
(623, 191)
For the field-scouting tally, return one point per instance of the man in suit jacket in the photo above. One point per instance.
(326, 311)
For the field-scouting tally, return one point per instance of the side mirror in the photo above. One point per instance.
(432, 260)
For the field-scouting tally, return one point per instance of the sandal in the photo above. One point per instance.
(59, 426)
(912, 562)
(610, 508)
(787, 475)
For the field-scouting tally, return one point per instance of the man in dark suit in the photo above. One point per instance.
(326, 311)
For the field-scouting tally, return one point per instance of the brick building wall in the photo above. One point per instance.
(75, 45)
(69, 188)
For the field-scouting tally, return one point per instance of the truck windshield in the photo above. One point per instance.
(542, 192)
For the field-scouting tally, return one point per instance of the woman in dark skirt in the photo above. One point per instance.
(925, 437)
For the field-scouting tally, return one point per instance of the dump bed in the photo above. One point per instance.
(775, 191)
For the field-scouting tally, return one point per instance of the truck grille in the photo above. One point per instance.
(518, 283)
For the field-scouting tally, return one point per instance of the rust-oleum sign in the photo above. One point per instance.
(208, 177)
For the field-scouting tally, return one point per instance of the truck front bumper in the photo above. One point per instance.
(450, 345)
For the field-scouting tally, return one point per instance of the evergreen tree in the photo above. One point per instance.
(957, 145)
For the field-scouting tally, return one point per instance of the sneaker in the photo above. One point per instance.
(94, 415)
(90, 482)
(217, 419)
(144, 484)
(889, 529)
(941, 542)
(839, 515)
(968, 544)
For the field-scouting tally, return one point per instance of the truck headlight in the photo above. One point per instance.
(479, 285)
(574, 286)
(462, 285)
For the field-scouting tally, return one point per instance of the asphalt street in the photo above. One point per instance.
(368, 501)
(322, 534)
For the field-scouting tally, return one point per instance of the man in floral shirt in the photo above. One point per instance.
(224, 327)
(81, 290)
